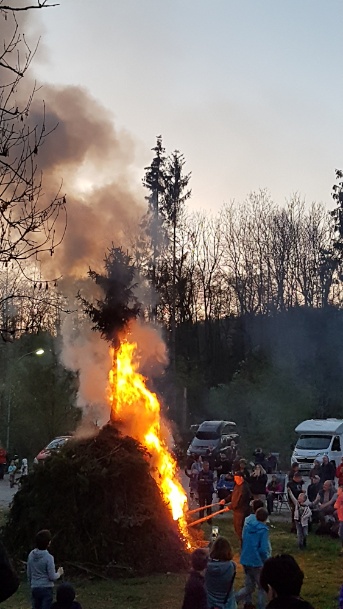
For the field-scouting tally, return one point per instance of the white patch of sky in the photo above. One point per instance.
(249, 90)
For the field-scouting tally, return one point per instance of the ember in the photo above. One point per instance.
(139, 412)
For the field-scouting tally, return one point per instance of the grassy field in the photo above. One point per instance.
(320, 562)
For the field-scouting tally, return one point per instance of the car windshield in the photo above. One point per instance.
(56, 443)
(314, 442)
(207, 435)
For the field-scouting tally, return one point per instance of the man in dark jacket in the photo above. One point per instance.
(294, 486)
(282, 578)
(195, 593)
(205, 488)
(240, 503)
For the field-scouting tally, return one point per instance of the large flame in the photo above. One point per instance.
(139, 410)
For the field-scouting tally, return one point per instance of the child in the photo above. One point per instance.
(41, 572)
(302, 516)
(24, 470)
(339, 507)
(11, 473)
(195, 593)
(65, 598)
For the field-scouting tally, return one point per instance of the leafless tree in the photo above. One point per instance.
(30, 221)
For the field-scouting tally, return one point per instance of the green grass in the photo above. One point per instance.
(320, 562)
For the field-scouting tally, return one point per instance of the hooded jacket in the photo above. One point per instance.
(218, 578)
(240, 499)
(255, 546)
(41, 571)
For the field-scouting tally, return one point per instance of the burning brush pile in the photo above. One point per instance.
(112, 502)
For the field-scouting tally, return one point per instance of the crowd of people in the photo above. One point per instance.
(15, 468)
(251, 497)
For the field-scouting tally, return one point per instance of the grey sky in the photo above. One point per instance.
(249, 90)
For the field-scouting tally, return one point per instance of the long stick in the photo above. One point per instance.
(204, 507)
(200, 520)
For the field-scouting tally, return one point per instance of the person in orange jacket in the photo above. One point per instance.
(339, 473)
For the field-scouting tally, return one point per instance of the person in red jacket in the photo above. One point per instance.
(339, 507)
(339, 473)
(3, 462)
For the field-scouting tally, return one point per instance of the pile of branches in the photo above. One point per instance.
(102, 506)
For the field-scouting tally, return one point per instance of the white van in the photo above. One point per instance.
(318, 437)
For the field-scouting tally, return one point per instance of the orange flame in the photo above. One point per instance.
(139, 410)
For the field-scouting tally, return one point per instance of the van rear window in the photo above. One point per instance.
(207, 435)
(314, 442)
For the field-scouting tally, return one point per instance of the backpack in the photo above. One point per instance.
(9, 580)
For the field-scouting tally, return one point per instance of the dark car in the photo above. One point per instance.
(53, 446)
(212, 435)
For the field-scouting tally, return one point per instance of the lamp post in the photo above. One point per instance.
(35, 352)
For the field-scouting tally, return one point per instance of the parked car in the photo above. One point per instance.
(53, 447)
(213, 435)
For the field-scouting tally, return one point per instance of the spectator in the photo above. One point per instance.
(294, 488)
(195, 593)
(315, 469)
(282, 578)
(274, 487)
(24, 470)
(224, 465)
(325, 502)
(240, 503)
(242, 466)
(341, 598)
(205, 488)
(258, 482)
(255, 551)
(41, 572)
(3, 462)
(220, 575)
(339, 473)
(65, 598)
(327, 470)
(11, 473)
(259, 456)
(225, 486)
(271, 463)
(339, 507)
(313, 488)
(294, 469)
(232, 452)
(9, 580)
(196, 468)
(210, 457)
(302, 516)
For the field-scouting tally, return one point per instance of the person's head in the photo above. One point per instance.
(238, 478)
(316, 463)
(282, 576)
(221, 550)
(315, 479)
(295, 467)
(297, 478)
(261, 514)
(222, 456)
(43, 539)
(242, 463)
(302, 498)
(325, 460)
(65, 594)
(327, 485)
(205, 466)
(199, 559)
(256, 504)
(232, 444)
(274, 478)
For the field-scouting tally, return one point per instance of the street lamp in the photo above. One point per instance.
(39, 351)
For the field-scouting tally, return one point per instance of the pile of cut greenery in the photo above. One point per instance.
(104, 509)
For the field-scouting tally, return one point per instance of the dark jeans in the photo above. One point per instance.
(42, 598)
(238, 523)
(205, 499)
